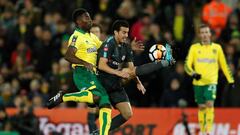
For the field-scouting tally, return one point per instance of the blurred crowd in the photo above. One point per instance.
(34, 36)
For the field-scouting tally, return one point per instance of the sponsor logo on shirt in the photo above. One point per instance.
(206, 60)
(123, 57)
(91, 50)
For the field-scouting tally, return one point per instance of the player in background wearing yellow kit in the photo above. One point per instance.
(82, 53)
(202, 63)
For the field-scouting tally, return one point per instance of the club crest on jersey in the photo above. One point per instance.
(199, 52)
(123, 57)
(214, 51)
(105, 49)
(74, 39)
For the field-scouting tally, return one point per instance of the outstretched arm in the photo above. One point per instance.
(135, 77)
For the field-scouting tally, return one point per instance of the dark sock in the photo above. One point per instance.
(117, 121)
(91, 121)
(150, 67)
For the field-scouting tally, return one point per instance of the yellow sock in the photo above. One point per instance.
(209, 119)
(83, 96)
(105, 120)
(201, 119)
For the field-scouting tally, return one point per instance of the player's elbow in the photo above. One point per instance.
(67, 57)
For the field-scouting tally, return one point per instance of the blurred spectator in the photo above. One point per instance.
(232, 28)
(21, 32)
(4, 56)
(7, 20)
(33, 13)
(7, 94)
(21, 51)
(172, 94)
(231, 56)
(215, 14)
(43, 53)
(127, 11)
(3, 117)
(183, 30)
(230, 96)
(139, 28)
(25, 122)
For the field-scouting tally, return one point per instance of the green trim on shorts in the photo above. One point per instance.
(78, 94)
(205, 93)
(86, 80)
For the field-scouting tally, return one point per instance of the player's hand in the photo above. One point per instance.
(90, 67)
(137, 45)
(196, 76)
(122, 74)
(141, 88)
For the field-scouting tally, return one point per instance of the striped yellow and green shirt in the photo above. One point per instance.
(206, 60)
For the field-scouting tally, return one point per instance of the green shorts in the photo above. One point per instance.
(205, 93)
(85, 79)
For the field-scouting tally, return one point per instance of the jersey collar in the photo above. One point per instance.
(80, 30)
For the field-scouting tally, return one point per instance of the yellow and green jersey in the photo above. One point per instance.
(87, 45)
(206, 60)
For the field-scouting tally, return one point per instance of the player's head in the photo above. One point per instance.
(96, 29)
(205, 33)
(82, 18)
(120, 30)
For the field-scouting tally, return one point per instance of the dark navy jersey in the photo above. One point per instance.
(117, 56)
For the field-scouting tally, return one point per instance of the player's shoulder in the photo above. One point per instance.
(195, 45)
(110, 41)
(94, 36)
(216, 45)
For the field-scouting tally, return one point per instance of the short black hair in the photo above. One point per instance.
(78, 12)
(118, 24)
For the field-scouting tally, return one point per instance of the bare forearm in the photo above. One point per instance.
(75, 60)
(104, 67)
(137, 80)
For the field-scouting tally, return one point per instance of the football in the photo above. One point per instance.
(157, 52)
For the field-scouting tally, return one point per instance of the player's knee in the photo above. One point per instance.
(96, 98)
(202, 107)
(127, 114)
(209, 104)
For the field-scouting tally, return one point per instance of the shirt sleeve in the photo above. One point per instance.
(74, 41)
(223, 64)
(189, 62)
(105, 50)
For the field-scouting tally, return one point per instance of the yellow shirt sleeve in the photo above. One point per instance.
(74, 41)
(189, 61)
(225, 68)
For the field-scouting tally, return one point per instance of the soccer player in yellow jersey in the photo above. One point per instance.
(82, 53)
(202, 63)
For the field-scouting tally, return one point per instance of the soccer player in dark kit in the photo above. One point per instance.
(112, 56)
